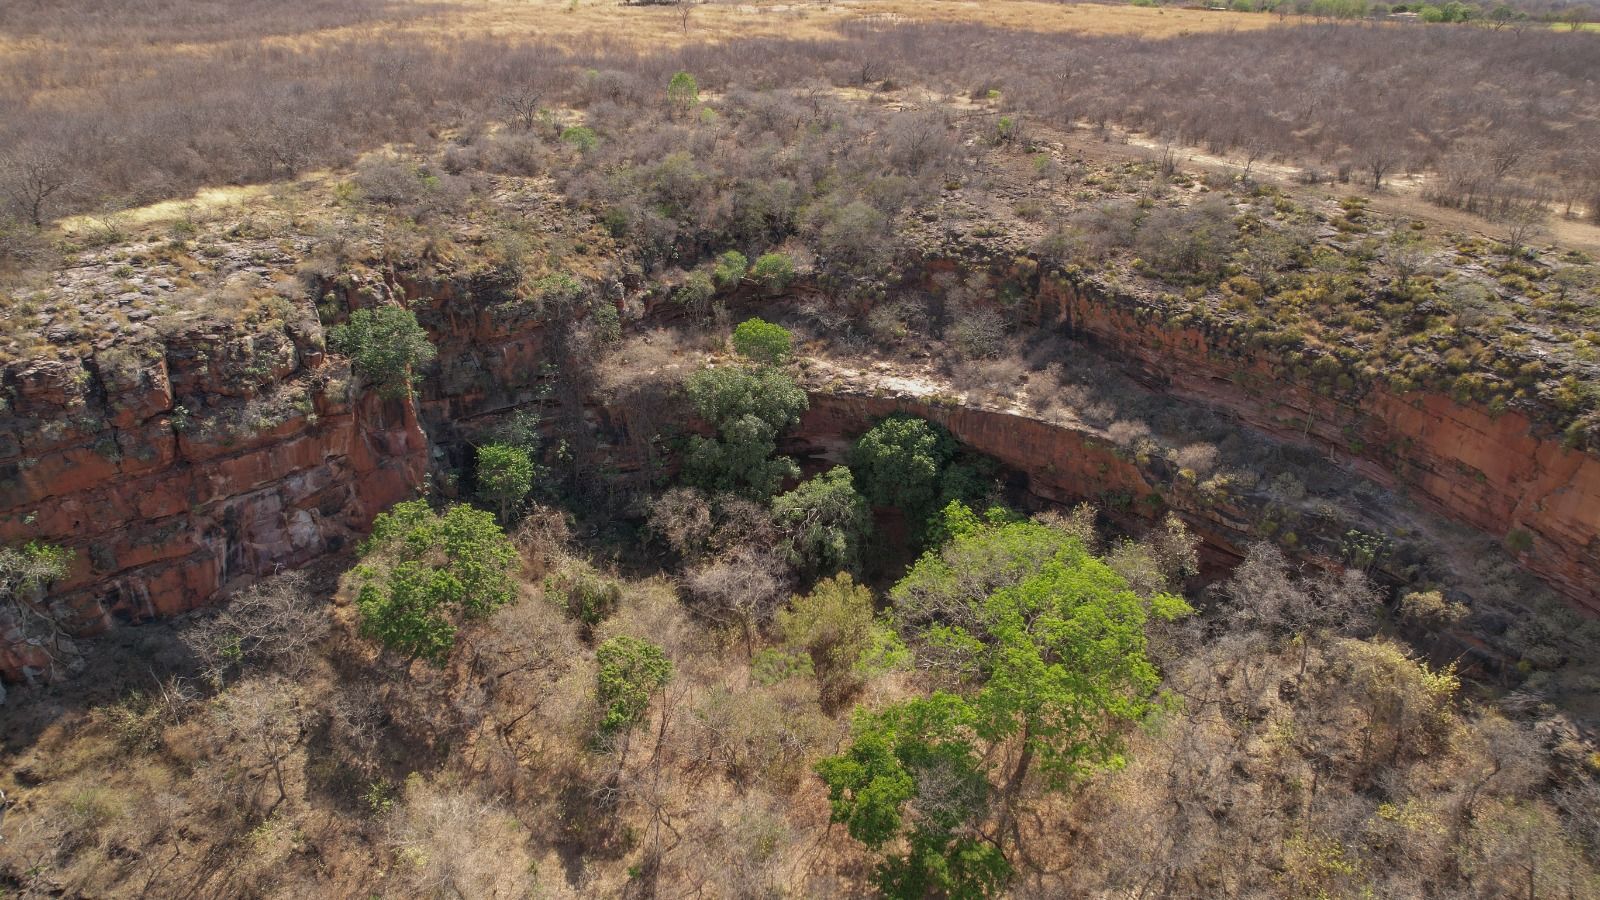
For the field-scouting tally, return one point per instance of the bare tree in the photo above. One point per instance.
(522, 102)
(743, 586)
(1254, 149)
(1524, 223)
(1264, 596)
(1379, 156)
(273, 622)
(33, 177)
(266, 714)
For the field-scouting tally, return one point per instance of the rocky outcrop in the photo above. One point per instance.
(182, 467)
(1060, 466)
(213, 458)
(1500, 473)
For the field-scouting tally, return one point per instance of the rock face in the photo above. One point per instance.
(1062, 465)
(228, 454)
(225, 451)
(1495, 472)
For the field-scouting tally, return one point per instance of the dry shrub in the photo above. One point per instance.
(541, 537)
(1002, 377)
(744, 847)
(446, 840)
(761, 735)
(740, 588)
(1125, 433)
(979, 332)
(681, 517)
(277, 622)
(650, 610)
(1197, 458)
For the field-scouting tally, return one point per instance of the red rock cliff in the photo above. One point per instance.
(223, 456)
(1498, 473)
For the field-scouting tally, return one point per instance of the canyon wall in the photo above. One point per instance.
(179, 470)
(189, 466)
(174, 474)
(1498, 473)
(1062, 466)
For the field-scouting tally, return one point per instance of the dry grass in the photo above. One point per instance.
(716, 21)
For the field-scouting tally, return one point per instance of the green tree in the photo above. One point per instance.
(505, 478)
(899, 462)
(763, 342)
(834, 626)
(422, 571)
(1052, 637)
(386, 347)
(748, 408)
(730, 269)
(913, 778)
(683, 91)
(823, 521)
(773, 272)
(1047, 647)
(629, 671)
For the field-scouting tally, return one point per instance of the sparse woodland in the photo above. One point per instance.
(729, 669)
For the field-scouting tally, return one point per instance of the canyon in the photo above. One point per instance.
(233, 450)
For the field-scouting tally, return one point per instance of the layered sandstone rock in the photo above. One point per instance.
(180, 467)
(206, 461)
(1500, 473)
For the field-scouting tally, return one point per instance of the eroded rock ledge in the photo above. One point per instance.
(233, 451)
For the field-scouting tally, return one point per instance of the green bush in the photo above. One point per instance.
(773, 271)
(683, 91)
(763, 342)
(586, 596)
(730, 269)
(386, 346)
(420, 571)
(31, 567)
(630, 670)
(695, 293)
(582, 138)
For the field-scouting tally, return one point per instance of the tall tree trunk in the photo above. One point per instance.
(1013, 787)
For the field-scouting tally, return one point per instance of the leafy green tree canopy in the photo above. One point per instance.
(898, 463)
(420, 571)
(386, 347)
(1049, 641)
(763, 342)
(824, 521)
(505, 478)
(630, 670)
(913, 772)
(748, 408)
(1044, 646)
